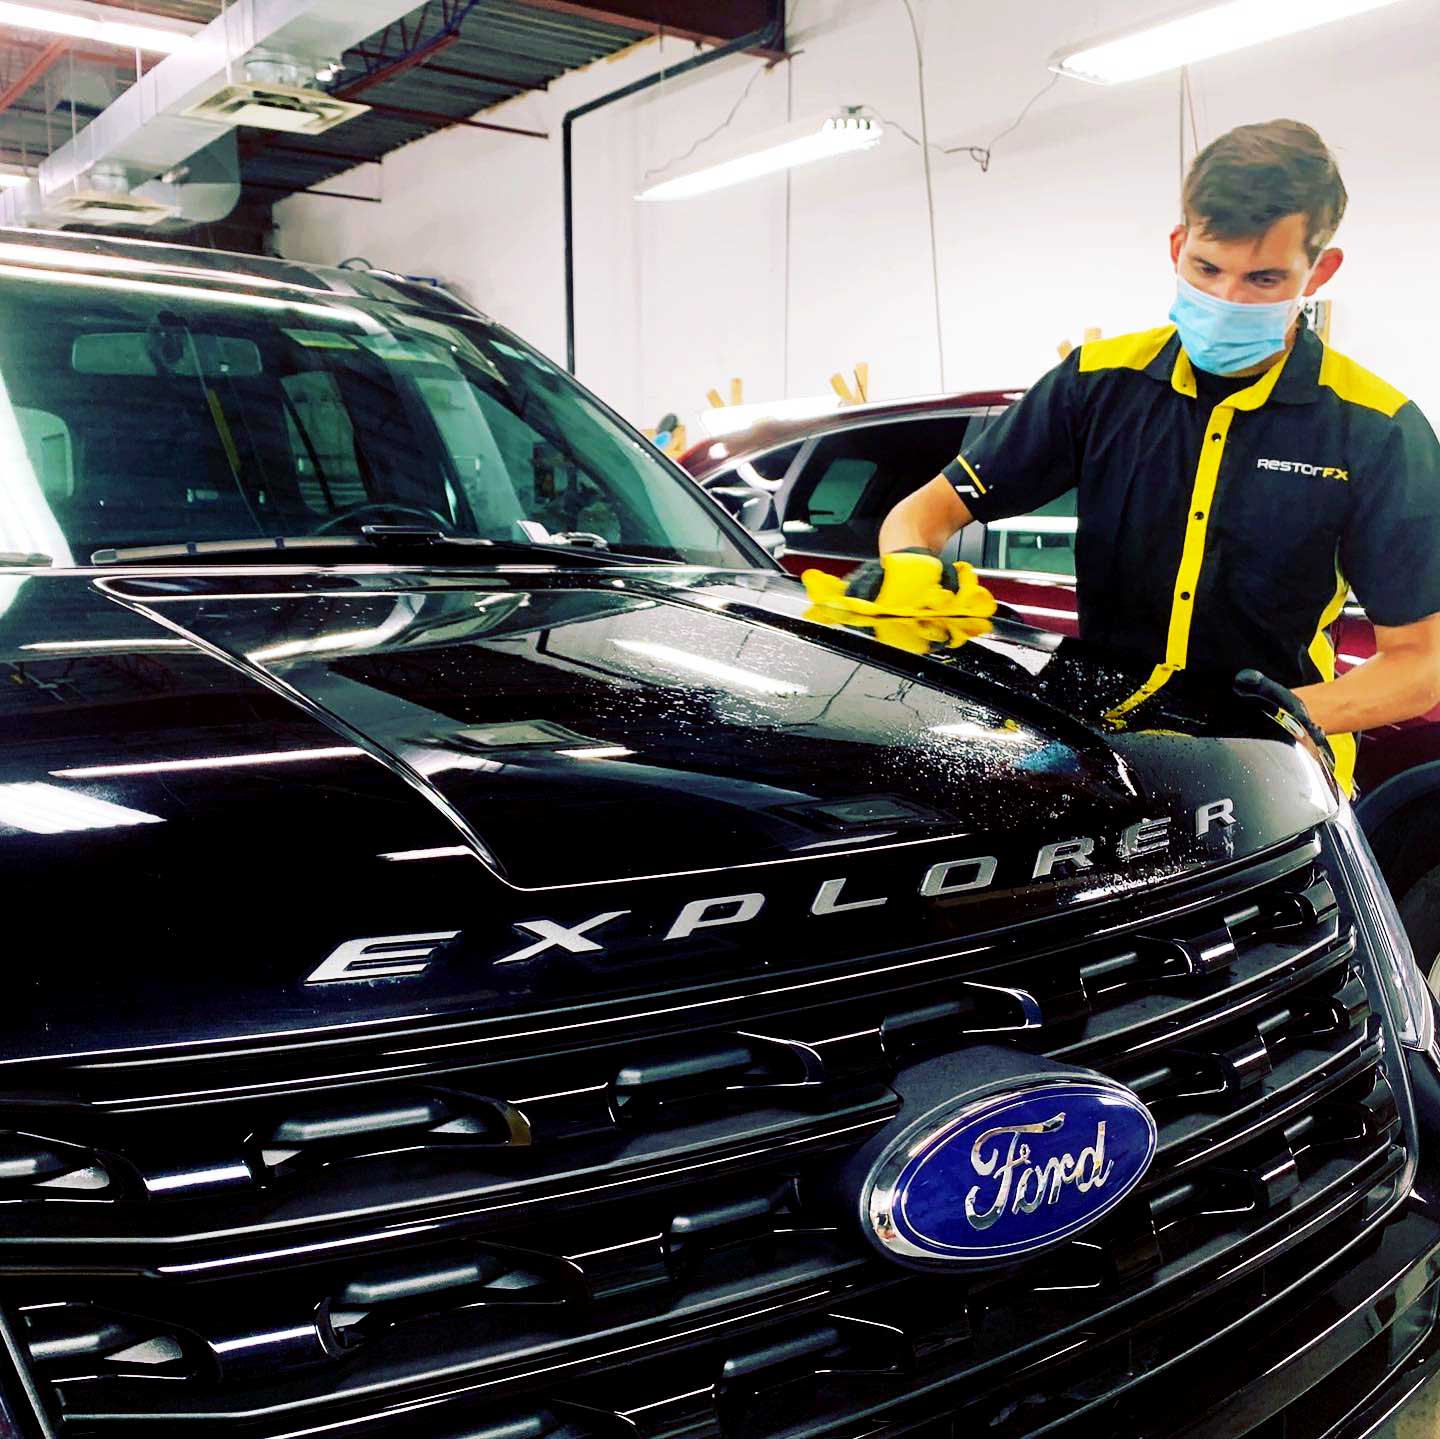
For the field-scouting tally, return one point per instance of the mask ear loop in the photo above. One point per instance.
(1299, 300)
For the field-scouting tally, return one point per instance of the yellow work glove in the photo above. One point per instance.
(905, 584)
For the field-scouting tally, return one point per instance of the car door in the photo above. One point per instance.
(832, 508)
(1028, 563)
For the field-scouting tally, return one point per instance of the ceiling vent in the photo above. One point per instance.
(103, 197)
(105, 207)
(275, 107)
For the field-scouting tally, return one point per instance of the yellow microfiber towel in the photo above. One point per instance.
(911, 601)
(925, 615)
(918, 637)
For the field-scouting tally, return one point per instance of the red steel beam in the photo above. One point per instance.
(442, 121)
(416, 58)
(701, 20)
(478, 77)
(32, 72)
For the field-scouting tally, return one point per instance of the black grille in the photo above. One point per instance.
(611, 1227)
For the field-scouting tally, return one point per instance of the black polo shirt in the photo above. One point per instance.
(1222, 530)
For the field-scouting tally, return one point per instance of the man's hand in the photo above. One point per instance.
(1401, 682)
(1251, 684)
(911, 586)
(900, 581)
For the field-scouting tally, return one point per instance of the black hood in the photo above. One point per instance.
(276, 763)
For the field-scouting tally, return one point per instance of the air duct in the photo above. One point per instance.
(256, 50)
(202, 190)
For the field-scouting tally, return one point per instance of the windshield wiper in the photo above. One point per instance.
(18, 559)
(409, 540)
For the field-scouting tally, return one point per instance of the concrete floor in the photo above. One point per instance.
(1423, 1419)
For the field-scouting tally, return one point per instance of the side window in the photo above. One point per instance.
(854, 478)
(1043, 542)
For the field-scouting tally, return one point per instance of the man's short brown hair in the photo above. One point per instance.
(1242, 183)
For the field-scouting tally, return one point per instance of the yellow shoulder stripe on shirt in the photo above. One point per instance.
(1356, 384)
(1124, 352)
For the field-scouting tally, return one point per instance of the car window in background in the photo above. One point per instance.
(765, 471)
(853, 478)
(770, 468)
(1042, 542)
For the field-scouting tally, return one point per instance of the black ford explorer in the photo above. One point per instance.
(482, 963)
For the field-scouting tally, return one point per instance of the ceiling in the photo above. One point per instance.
(442, 64)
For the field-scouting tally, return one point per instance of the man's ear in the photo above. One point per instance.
(1177, 242)
(1330, 260)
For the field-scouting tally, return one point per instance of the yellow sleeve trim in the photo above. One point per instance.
(1124, 352)
(970, 470)
(1357, 385)
(1322, 655)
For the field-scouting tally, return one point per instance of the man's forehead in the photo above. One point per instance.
(1278, 248)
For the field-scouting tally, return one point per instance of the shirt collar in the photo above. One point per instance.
(1297, 383)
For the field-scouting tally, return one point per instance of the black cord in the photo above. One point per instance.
(705, 139)
(929, 189)
(980, 154)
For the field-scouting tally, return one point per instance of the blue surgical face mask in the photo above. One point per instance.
(1223, 336)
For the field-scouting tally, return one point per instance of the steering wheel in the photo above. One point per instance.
(379, 508)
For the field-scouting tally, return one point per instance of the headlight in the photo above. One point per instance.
(1398, 976)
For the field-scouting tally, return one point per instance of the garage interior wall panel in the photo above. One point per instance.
(1066, 230)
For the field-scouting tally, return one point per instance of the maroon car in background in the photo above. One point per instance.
(815, 491)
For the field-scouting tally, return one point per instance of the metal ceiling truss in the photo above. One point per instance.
(410, 41)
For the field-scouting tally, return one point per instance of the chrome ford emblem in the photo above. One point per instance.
(1009, 1174)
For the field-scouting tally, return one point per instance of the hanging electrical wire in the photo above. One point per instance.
(706, 138)
(981, 154)
(929, 190)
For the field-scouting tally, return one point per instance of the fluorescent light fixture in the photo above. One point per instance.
(1200, 34)
(676, 659)
(100, 25)
(219, 761)
(599, 751)
(51, 809)
(14, 179)
(730, 419)
(799, 144)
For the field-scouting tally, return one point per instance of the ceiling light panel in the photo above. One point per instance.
(100, 25)
(1200, 34)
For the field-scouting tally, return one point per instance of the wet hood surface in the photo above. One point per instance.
(218, 779)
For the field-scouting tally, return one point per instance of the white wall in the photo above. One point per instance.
(1067, 229)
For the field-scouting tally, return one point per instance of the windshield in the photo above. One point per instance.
(137, 413)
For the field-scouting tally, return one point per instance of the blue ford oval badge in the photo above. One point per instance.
(1011, 1173)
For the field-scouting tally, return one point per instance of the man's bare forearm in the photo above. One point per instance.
(1392, 687)
(926, 519)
